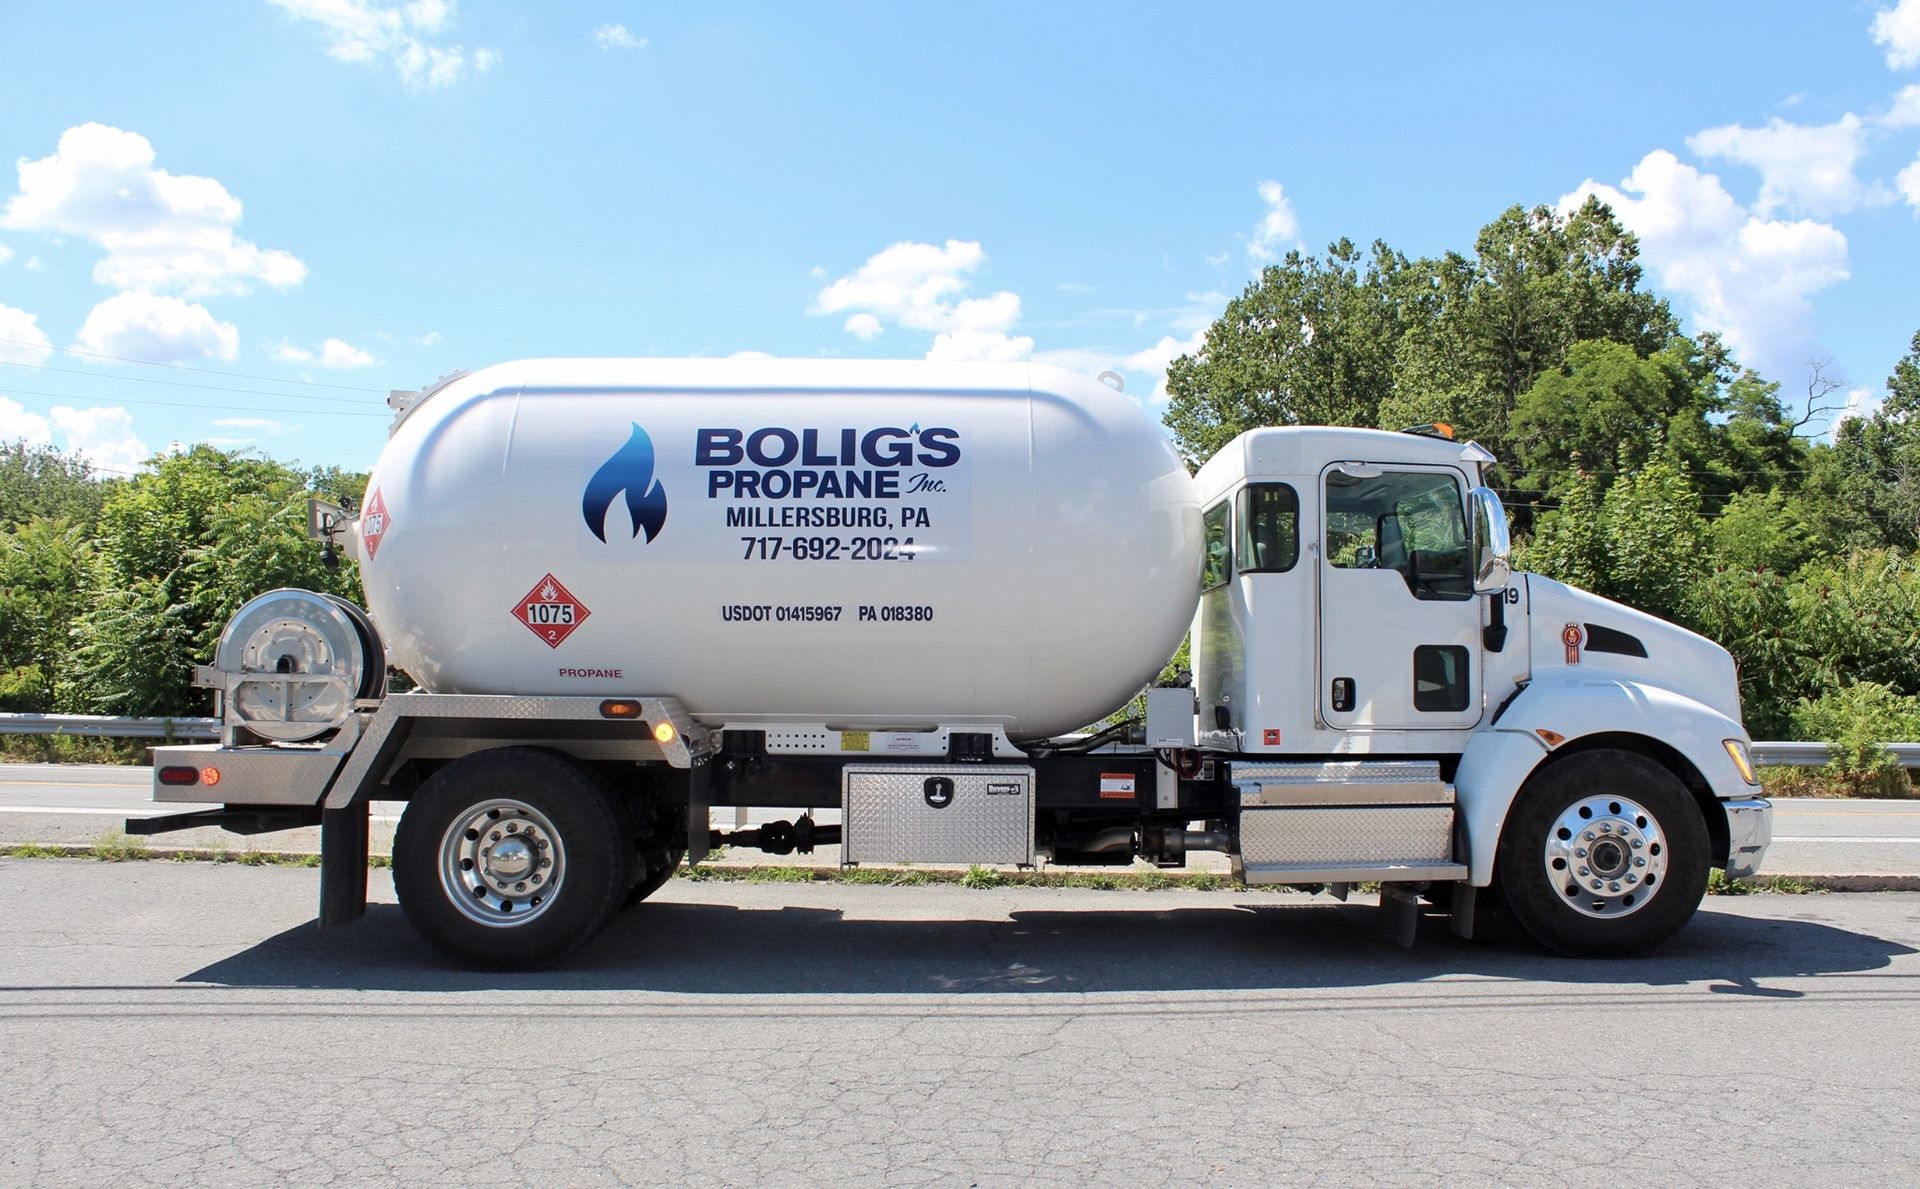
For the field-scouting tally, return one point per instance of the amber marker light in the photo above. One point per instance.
(209, 776)
(1742, 758)
(619, 708)
(663, 733)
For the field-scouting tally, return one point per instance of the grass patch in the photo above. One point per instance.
(885, 877)
(1817, 782)
(982, 877)
(1719, 884)
(116, 847)
(75, 749)
(33, 850)
(780, 875)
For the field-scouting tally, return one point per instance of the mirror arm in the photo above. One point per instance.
(1494, 635)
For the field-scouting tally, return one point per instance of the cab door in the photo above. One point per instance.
(1399, 624)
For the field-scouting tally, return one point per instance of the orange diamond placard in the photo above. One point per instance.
(550, 611)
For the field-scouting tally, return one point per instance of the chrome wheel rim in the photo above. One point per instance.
(1607, 856)
(501, 863)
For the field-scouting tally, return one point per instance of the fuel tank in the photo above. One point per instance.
(859, 544)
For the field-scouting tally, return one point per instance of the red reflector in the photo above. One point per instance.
(172, 775)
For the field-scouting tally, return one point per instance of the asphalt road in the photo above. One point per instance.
(185, 1023)
(77, 803)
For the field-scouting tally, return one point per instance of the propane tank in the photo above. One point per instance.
(859, 544)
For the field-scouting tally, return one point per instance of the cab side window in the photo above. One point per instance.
(1269, 529)
(1217, 566)
(1410, 522)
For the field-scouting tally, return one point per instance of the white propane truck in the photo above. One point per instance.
(629, 592)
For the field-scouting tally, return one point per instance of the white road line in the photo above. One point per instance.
(154, 810)
(1839, 838)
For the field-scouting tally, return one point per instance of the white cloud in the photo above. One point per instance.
(21, 339)
(103, 436)
(923, 287)
(6, 253)
(1807, 169)
(1905, 111)
(161, 231)
(989, 346)
(34, 264)
(1278, 228)
(749, 354)
(1908, 180)
(1747, 278)
(616, 37)
(157, 330)
(333, 353)
(262, 425)
(1861, 402)
(1898, 29)
(1154, 360)
(399, 33)
(429, 339)
(18, 425)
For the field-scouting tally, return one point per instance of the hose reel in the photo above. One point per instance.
(295, 661)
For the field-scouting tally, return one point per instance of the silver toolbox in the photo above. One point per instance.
(916, 813)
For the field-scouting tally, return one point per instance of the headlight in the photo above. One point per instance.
(1742, 758)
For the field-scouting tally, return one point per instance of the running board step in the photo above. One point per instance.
(1349, 822)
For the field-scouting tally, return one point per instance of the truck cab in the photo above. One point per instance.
(1358, 614)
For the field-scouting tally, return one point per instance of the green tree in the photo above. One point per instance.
(39, 481)
(45, 580)
(1876, 459)
(180, 548)
(1309, 343)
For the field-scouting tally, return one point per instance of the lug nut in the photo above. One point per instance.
(495, 835)
(1579, 852)
(521, 887)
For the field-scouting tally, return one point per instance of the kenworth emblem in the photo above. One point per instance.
(629, 470)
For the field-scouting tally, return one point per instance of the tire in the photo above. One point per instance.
(1587, 838)
(654, 880)
(471, 883)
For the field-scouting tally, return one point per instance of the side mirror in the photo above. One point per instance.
(1492, 546)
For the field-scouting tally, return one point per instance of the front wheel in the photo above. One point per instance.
(509, 859)
(1604, 854)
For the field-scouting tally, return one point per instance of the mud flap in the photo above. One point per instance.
(343, 864)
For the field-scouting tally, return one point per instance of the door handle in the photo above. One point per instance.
(1342, 694)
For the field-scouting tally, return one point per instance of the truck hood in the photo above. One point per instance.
(1612, 638)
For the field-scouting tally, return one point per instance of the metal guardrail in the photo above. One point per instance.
(1772, 754)
(1815, 755)
(109, 726)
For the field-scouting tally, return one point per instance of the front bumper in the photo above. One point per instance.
(1749, 832)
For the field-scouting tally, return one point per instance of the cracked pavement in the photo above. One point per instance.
(185, 1023)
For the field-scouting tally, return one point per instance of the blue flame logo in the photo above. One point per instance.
(629, 470)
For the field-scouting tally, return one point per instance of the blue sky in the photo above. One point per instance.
(313, 201)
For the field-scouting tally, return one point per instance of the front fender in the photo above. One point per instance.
(1497, 762)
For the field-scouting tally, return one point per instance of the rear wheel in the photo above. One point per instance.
(510, 859)
(658, 873)
(1604, 854)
